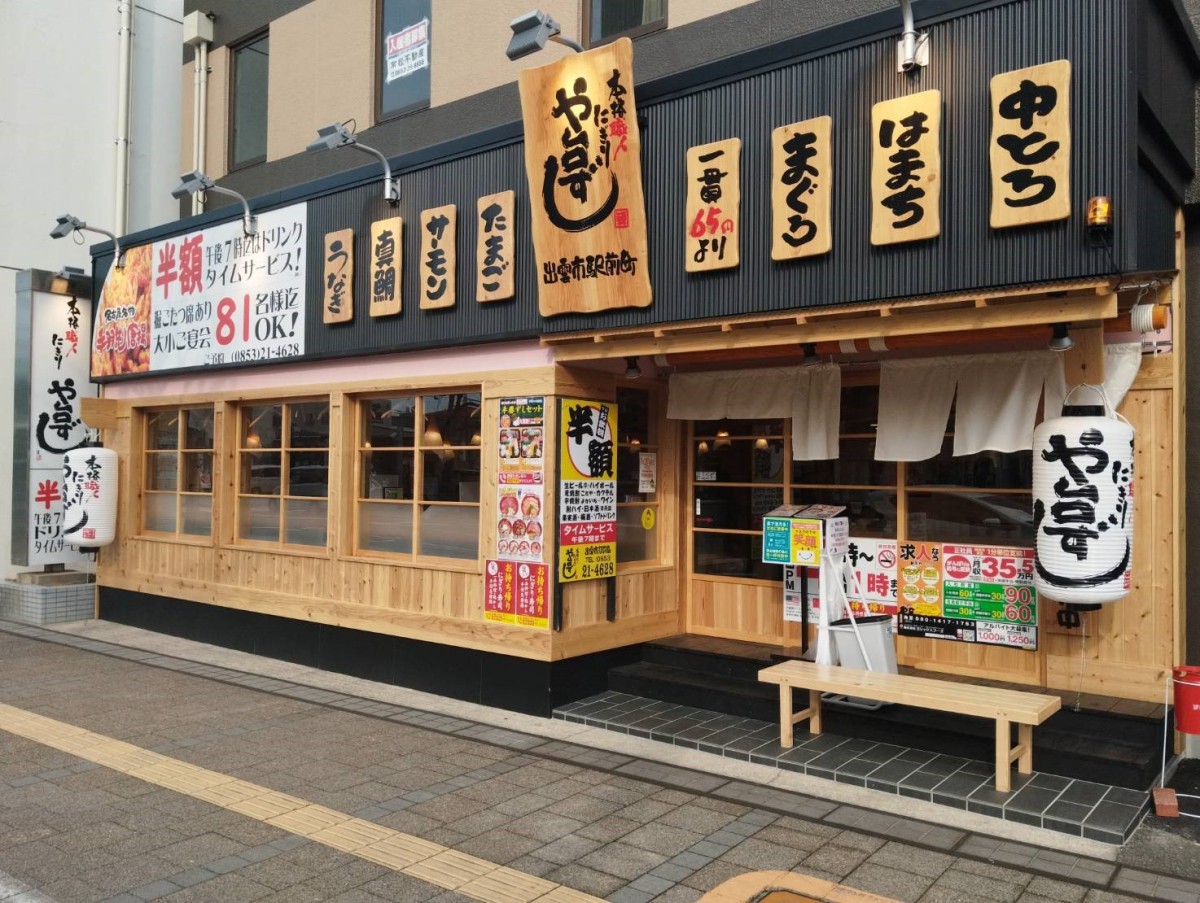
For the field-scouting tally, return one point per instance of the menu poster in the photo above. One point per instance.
(920, 577)
(212, 297)
(515, 593)
(520, 481)
(587, 506)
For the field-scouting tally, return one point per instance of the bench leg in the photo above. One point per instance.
(786, 722)
(1025, 741)
(814, 709)
(1003, 756)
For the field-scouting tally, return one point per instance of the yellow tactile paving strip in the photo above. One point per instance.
(431, 862)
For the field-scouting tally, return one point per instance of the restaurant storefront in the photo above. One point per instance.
(373, 439)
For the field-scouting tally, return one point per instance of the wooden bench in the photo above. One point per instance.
(1005, 707)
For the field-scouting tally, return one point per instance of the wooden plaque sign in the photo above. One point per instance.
(801, 189)
(582, 158)
(387, 266)
(906, 168)
(438, 257)
(714, 199)
(1031, 145)
(339, 276)
(494, 247)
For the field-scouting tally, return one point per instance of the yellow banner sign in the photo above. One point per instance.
(587, 490)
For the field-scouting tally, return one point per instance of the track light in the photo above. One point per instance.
(1061, 340)
(335, 135)
(632, 369)
(69, 225)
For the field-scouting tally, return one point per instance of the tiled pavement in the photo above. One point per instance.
(1081, 808)
(605, 824)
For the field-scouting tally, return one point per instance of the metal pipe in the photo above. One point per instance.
(908, 38)
(124, 86)
(201, 132)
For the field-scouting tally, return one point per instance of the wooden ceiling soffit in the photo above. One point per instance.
(1063, 303)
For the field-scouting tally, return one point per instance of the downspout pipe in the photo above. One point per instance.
(124, 89)
(200, 121)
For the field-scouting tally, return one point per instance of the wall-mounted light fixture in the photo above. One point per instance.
(69, 225)
(1099, 215)
(335, 135)
(632, 369)
(913, 50)
(531, 32)
(1061, 339)
(195, 181)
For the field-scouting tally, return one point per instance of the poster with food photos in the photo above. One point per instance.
(520, 480)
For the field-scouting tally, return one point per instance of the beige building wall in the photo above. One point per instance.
(469, 38)
(320, 72)
(681, 12)
(216, 159)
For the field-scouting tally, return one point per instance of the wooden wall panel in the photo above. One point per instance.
(740, 611)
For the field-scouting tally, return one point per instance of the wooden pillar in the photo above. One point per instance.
(1084, 363)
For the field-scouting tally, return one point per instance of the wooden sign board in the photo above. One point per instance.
(714, 200)
(582, 158)
(1031, 145)
(906, 168)
(387, 266)
(802, 189)
(339, 276)
(438, 257)
(495, 247)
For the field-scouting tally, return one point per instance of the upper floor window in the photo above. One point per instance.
(177, 472)
(248, 103)
(606, 20)
(405, 32)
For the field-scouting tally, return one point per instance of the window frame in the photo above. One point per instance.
(377, 72)
(180, 451)
(789, 484)
(416, 503)
(638, 31)
(285, 449)
(231, 164)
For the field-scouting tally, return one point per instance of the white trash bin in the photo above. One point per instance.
(877, 638)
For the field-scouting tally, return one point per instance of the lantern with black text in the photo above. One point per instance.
(89, 497)
(1083, 509)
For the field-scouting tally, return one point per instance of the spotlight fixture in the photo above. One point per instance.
(191, 183)
(1061, 340)
(632, 369)
(531, 32)
(335, 135)
(69, 225)
(811, 358)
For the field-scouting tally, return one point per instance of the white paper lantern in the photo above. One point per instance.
(90, 497)
(1083, 509)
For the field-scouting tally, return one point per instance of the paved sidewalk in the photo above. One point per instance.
(560, 816)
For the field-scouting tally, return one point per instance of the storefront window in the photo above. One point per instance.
(418, 488)
(283, 473)
(742, 469)
(177, 472)
(739, 472)
(637, 510)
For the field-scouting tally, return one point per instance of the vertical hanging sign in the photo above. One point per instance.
(801, 188)
(520, 479)
(1031, 145)
(339, 276)
(387, 266)
(714, 197)
(906, 168)
(438, 257)
(494, 247)
(587, 490)
(582, 158)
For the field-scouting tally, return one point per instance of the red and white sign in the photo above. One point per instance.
(208, 298)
